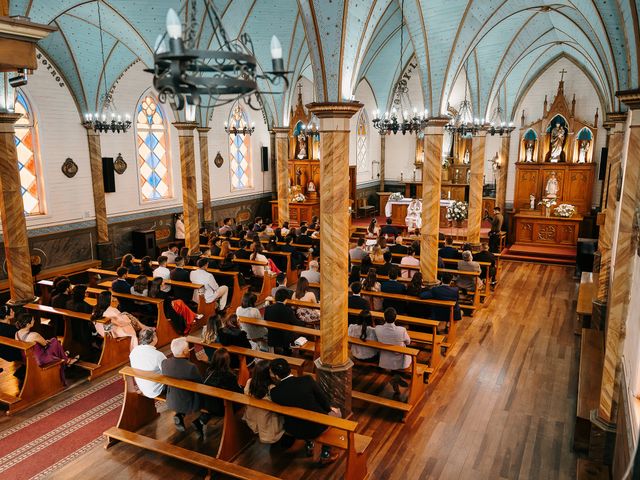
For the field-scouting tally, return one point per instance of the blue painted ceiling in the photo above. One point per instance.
(505, 44)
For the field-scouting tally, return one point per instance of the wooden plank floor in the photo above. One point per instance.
(501, 406)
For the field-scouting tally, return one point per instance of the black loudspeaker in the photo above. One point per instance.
(603, 163)
(265, 159)
(144, 243)
(108, 175)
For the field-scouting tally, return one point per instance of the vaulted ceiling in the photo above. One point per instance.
(503, 45)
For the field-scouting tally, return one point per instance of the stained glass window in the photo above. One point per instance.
(25, 139)
(362, 140)
(153, 157)
(239, 151)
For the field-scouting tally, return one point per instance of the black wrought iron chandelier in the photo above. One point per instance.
(405, 123)
(234, 130)
(497, 126)
(183, 73)
(463, 123)
(109, 120)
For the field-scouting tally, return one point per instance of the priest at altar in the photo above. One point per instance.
(408, 211)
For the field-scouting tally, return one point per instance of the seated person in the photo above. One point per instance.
(391, 334)
(393, 286)
(179, 314)
(256, 335)
(411, 260)
(232, 334)
(304, 238)
(444, 292)
(226, 226)
(484, 255)
(384, 269)
(305, 294)
(163, 272)
(364, 330)
(8, 330)
(389, 229)
(448, 251)
(281, 284)
(171, 253)
(312, 274)
(127, 262)
(182, 402)
(358, 252)
(146, 357)
(268, 425)
(398, 247)
(120, 284)
(301, 392)
(181, 274)
(296, 257)
(244, 254)
(210, 288)
(281, 340)
(356, 300)
(377, 255)
(466, 282)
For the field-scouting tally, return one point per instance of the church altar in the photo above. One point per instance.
(397, 210)
(298, 211)
(533, 228)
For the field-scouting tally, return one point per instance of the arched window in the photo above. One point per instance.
(362, 137)
(152, 146)
(239, 151)
(26, 141)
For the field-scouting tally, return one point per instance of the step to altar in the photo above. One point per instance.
(557, 255)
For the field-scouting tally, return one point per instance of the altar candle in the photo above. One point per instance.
(449, 194)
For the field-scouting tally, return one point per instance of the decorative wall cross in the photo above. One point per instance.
(562, 72)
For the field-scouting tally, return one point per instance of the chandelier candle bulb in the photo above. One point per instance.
(174, 26)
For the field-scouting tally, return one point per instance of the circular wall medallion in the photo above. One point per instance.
(69, 168)
(218, 161)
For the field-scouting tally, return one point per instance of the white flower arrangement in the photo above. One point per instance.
(547, 202)
(298, 197)
(457, 211)
(396, 197)
(565, 210)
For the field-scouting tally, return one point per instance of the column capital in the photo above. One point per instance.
(7, 122)
(202, 130)
(90, 131)
(613, 118)
(185, 128)
(438, 122)
(334, 109)
(631, 98)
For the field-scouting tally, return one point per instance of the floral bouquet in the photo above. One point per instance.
(565, 210)
(298, 197)
(457, 211)
(547, 202)
(396, 197)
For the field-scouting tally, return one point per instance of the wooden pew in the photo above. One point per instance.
(114, 352)
(589, 378)
(39, 384)
(586, 294)
(268, 281)
(296, 364)
(138, 411)
(284, 257)
(310, 346)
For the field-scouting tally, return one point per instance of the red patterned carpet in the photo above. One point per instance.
(35, 448)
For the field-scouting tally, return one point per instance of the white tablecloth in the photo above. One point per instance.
(407, 201)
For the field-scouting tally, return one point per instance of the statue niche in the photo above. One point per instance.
(558, 132)
(583, 146)
(529, 146)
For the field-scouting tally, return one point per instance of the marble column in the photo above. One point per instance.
(203, 139)
(623, 260)
(105, 247)
(431, 194)
(334, 364)
(615, 141)
(503, 172)
(14, 224)
(383, 158)
(475, 188)
(282, 155)
(189, 186)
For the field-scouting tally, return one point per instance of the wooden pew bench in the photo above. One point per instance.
(586, 294)
(39, 383)
(138, 411)
(589, 378)
(312, 346)
(114, 351)
(296, 364)
(268, 280)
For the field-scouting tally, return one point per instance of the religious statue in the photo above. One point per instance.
(311, 189)
(465, 159)
(413, 219)
(551, 190)
(302, 145)
(528, 152)
(556, 144)
(583, 150)
(532, 201)
(299, 176)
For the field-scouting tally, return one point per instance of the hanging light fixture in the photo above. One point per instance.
(497, 125)
(109, 120)
(464, 123)
(415, 122)
(245, 130)
(183, 73)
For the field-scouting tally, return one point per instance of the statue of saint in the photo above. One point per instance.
(532, 201)
(465, 159)
(298, 176)
(528, 153)
(583, 151)
(302, 145)
(311, 187)
(551, 190)
(413, 219)
(556, 144)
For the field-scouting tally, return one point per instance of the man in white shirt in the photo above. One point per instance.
(146, 357)
(409, 259)
(312, 275)
(163, 272)
(210, 288)
(171, 253)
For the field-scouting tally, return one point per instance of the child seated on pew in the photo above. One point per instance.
(120, 324)
(268, 425)
(46, 351)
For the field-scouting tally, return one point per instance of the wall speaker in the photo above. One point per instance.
(144, 243)
(265, 159)
(108, 175)
(604, 154)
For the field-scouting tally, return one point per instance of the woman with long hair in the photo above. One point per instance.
(127, 262)
(145, 266)
(179, 314)
(415, 286)
(377, 255)
(225, 248)
(210, 330)
(256, 255)
(268, 425)
(247, 308)
(373, 230)
(120, 324)
(310, 316)
(365, 331)
(371, 283)
(382, 243)
(140, 286)
(82, 332)
(354, 275)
